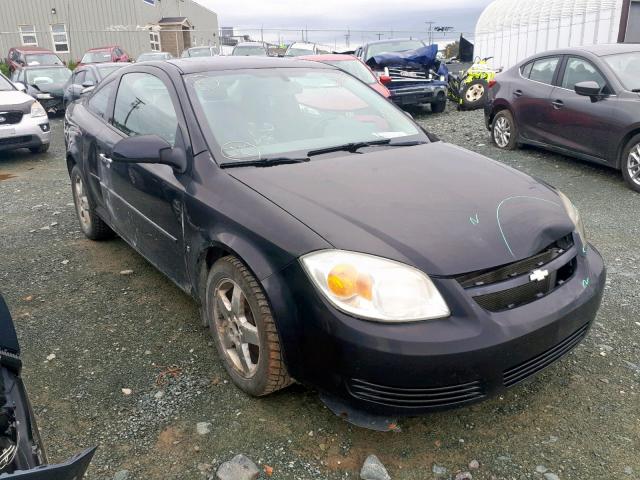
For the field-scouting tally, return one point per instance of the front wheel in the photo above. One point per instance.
(504, 131)
(631, 163)
(241, 323)
(438, 107)
(41, 149)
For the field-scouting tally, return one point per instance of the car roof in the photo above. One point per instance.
(33, 50)
(328, 57)
(100, 65)
(597, 50)
(252, 44)
(99, 49)
(221, 63)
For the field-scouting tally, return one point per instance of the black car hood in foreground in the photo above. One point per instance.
(439, 207)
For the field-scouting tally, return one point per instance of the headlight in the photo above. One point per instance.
(574, 215)
(38, 110)
(374, 288)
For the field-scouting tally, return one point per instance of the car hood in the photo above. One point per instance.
(439, 207)
(52, 88)
(15, 100)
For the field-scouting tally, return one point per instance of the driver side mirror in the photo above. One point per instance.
(20, 86)
(88, 84)
(86, 90)
(589, 89)
(149, 149)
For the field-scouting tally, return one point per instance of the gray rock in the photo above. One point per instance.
(628, 471)
(464, 476)
(203, 428)
(122, 475)
(551, 476)
(373, 469)
(438, 470)
(238, 468)
(541, 469)
(474, 464)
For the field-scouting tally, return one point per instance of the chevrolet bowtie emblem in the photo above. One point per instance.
(538, 275)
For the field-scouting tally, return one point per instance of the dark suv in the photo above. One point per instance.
(583, 102)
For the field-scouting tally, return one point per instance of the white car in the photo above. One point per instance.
(298, 49)
(23, 121)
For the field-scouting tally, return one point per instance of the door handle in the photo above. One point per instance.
(517, 93)
(106, 160)
(557, 104)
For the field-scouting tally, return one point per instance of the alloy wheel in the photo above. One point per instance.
(502, 132)
(474, 92)
(82, 203)
(235, 326)
(633, 164)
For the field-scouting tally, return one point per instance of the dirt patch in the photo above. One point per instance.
(6, 176)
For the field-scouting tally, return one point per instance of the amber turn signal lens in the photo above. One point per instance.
(342, 281)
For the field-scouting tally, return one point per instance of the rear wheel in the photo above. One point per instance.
(91, 224)
(474, 94)
(631, 163)
(504, 131)
(241, 323)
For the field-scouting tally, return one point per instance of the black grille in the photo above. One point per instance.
(10, 118)
(15, 140)
(524, 370)
(417, 397)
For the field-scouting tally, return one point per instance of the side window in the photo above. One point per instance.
(580, 70)
(144, 107)
(99, 101)
(542, 70)
(89, 77)
(79, 77)
(525, 71)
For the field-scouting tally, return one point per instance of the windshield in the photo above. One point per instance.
(257, 114)
(298, 51)
(252, 50)
(200, 52)
(42, 76)
(104, 71)
(42, 59)
(96, 57)
(5, 85)
(398, 46)
(357, 69)
(627, 67)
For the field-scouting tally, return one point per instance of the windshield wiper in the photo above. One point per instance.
(267, 162)
(354, 147)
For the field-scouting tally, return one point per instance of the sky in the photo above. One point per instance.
(377, 16)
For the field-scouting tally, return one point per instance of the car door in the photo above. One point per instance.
(576, 122)
(530, 97)
(146, 200)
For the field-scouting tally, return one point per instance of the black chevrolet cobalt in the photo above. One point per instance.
(330, 239)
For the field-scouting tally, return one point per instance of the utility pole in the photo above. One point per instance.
(262, 33)
(430, 31)
(379, 35)
(347, 38)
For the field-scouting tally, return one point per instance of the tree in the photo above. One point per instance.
(452, 50)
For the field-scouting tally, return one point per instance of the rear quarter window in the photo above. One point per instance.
(543, 70)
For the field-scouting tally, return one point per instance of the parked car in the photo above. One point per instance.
(150, 56)
(583, 102)
(416, 76)
(201, 52)
(85, 78)
(328, 237)
(46, 84)
(298, 49)
(23, 121)
(355, 67)
(22, 455)
(110, 54)
(250, 49)
(20, 57)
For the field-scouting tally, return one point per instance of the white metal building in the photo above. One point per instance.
(511, 30)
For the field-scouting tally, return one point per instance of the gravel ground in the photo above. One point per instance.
(134, 372)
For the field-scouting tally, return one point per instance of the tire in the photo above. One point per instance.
(236, 310)
(504, 131)
(438, 107)
(41, 149)
(91, 224)
(630, 163)
(474, 94)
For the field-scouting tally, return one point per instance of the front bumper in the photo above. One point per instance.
(413, 368)
(50, 102)
(29, 133)
(418, 94)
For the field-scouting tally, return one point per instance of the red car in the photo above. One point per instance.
(355, 67)
(113, 53)
(27, 56)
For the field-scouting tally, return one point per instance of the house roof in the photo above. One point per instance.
(173, 20)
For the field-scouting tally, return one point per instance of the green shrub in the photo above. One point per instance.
(4, 69)
(72, 65)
